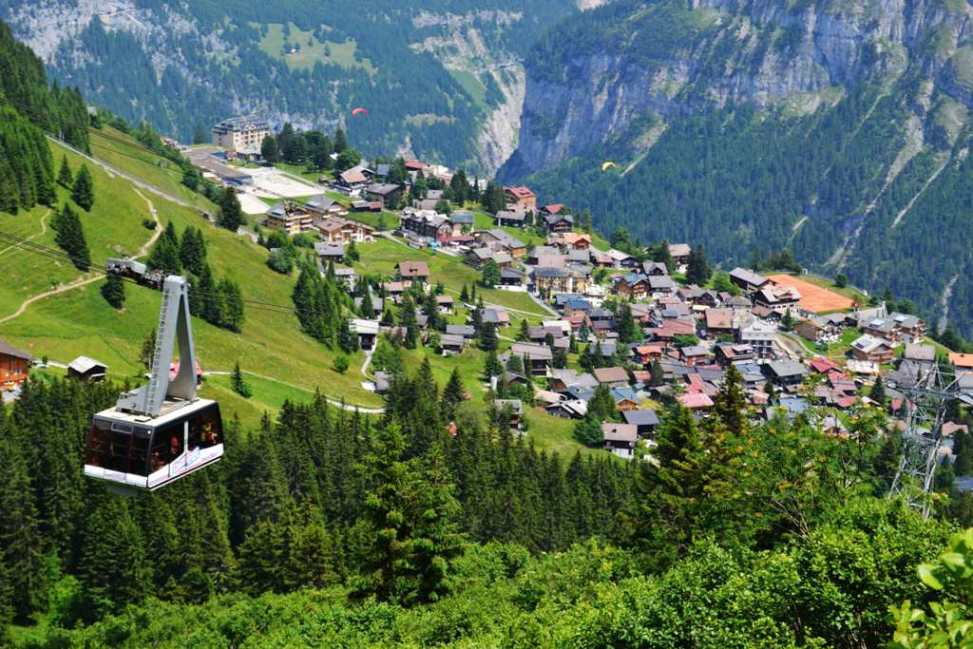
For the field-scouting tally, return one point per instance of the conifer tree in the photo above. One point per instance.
(231, 214)
(239, 384)
(366, 309)
(165, 253)
(453, 395)
(730, 404)
(64, 176)
(877, 393)
(464, 295)
(70, 237)
(192, 250)
(628, 331)
(83, 192)
(113, 290)
(231, 315)
(698, 270)
(523, 335)
(22, 544)
(488, 337)
(347, 340)
(492, 366)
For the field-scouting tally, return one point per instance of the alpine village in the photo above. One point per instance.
(449, 410)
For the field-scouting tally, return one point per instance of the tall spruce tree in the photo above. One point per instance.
(70, 237)
(231, 214)
(83, 192)
(113, 290)
(64, 176)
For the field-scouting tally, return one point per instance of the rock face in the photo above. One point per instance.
(441, 85)
(669, 60)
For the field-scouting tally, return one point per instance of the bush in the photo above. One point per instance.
(148, 224)
(341, 364)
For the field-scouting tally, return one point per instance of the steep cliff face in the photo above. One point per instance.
(658, 60)
(839, 129)
(443, 79)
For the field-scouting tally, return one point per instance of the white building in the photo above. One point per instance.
(241, 134)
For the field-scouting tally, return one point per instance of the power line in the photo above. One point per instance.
(60, 255)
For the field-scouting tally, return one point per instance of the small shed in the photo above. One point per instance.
(87, 369)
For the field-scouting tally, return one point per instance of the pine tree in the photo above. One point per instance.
(147, 351)
(730, 404)
(698, 270)
(366, 309)
(231, 315)
(165, 256)
(268, 149)
(347, 340)
(464, 296)
(70, 237)
(239, 384)
(602, 404)
(490, 275)
(83, 192)
(588, 431)
(488, 337)
(22, 545)
(523, 335)
(453, 395)
(192, 250)
(877, 393)
(492, 366)
(113, 290)
(231, 214)
(64, 176)
(628, 331)
(411, 510)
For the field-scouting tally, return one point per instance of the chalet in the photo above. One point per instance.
(611, 376)
(14, 366)
(553, 208)
(962, 362)
(394, 290)
(351, 180)
(560, 380)
(568, 409)
(548, 281)
(498, 239)
(520, 199)
(872, 349)
(366, 206)
(778, 299)
(679, 253)
(451, 344)
(625, 398)
(511, 277)
(415, 165)
(632, 286)
(426, 223)
(694, 355)
(496, 316)
(510, 219)
(785, 372)
(413, 271)
(290, 218)
(895, 327)
(512, 408)
(661, 285)
(462, 222)
(388, 194)
(366, 330)
(558, 222)
(719, 321)
(336, 230)
(646, 353)
(570, 240)
(323, 206)
(87, 370)
(645, 421)
(445, 304)
(466, 331)
(696, 402)
(733, 353)
(620, 439)
(747, 279)
(809, 329)
(602, 259)
(537, 357)
(328, 252)
(654, 268)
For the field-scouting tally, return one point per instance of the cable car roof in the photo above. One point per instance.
(171, 411)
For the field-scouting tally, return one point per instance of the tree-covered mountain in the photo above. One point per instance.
(29, 107)
(840, 130)
(441, 79)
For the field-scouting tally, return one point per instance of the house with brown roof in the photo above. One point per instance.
(352, 179)
(412, 271)
(336, 230)
(14, 366)
(679, 253)
(611, 376)
(290, 218)
(719, 321)
(620, 439)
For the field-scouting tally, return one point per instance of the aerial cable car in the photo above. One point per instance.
(162, 431)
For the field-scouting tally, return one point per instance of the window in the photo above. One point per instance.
(117, 446)
(205, 428)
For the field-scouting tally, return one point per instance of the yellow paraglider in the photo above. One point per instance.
(607, 164)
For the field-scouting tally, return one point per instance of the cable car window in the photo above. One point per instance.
(97, 444)
(205, 429)
(166, 445)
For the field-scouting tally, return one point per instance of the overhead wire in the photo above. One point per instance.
(60, 255)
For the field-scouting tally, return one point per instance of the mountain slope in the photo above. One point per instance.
(838, 129)
(440, 79)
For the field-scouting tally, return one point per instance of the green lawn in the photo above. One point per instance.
(382, 255)
(126, 153)
(300, 50)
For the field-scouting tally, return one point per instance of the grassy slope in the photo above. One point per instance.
(80, 321)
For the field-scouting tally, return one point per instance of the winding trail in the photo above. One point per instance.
(84, 280)
(33, 236)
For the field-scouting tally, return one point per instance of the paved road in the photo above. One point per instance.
(111, 169)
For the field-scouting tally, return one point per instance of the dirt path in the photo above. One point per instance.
(83, 280)
(78, 283)
(33, 236)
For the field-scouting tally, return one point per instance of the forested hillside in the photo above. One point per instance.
(440, 79)
(838, 130)
(28, 109)
(395, 532)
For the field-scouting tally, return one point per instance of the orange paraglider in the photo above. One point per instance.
(355, 112)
